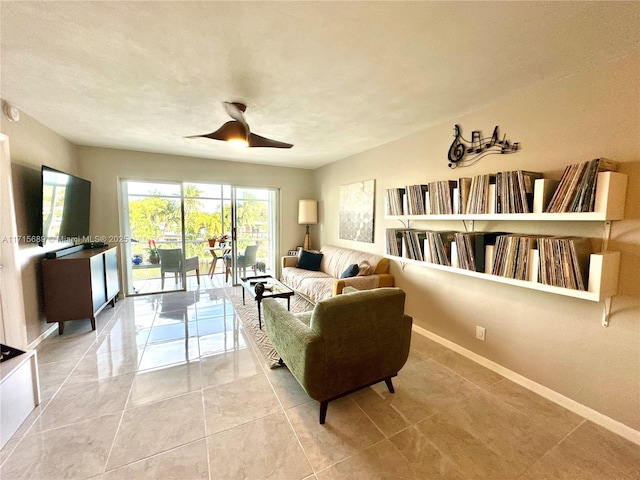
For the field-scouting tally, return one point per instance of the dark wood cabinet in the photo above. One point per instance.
(79, 285)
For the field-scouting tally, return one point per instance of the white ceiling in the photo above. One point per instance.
(333, 78)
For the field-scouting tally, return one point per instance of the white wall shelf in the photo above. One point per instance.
(611, 191)
(526, 217)
(609, 205)
(603, 277)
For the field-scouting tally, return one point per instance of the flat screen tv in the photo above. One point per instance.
(65, 207)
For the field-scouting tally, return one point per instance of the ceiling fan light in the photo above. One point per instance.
(238, 142)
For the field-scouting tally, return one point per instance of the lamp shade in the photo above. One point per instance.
(307, 212)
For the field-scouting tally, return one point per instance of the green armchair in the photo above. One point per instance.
(345, 343)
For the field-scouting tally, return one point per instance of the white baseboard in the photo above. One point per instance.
(582, 410)
(44, 335)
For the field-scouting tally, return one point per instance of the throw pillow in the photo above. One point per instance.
(309, 260)
(351, 271)
(365, 268)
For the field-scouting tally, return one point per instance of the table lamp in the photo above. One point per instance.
(307, 215)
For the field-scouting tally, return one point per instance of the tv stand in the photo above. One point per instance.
(79, 284)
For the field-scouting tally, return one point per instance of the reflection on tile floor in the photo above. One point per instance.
(204, 282)
(170, 386)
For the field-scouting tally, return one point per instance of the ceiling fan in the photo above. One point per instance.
(237, 131)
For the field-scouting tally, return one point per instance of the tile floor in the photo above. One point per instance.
(169, 386)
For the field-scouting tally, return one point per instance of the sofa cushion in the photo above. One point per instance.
(309, 260)
(313, 285)
(351, 271)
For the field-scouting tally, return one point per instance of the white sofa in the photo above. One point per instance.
(318, 285)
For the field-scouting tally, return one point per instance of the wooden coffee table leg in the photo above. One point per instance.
(259, 300)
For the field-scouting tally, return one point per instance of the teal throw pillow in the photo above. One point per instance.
(351, 271)
(309, 260)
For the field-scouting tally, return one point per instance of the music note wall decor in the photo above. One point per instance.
(477, 148)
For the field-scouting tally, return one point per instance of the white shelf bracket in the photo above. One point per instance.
(606, 234)
(606, 311)
(468, 227)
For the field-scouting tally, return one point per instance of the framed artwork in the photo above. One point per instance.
(357, 202)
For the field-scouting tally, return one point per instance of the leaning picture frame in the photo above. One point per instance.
(357, 203)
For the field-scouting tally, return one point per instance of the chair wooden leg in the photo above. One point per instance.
(323, 411)
(198, 275)
(389, 385)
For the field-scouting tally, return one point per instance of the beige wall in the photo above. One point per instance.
(32, 145)
(104, 166)
(553, 340)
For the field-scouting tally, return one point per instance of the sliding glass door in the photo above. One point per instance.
(221, 233)
(208, 215)
(255, 239)
(153, 222)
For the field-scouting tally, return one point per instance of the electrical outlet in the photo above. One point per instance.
(480, 332)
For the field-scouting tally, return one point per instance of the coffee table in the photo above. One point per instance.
(273, 289)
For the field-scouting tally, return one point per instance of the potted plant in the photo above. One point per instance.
(222, 239)
(154, 256)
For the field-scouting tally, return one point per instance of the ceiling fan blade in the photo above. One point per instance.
(258, 141)
(231, 129)
(205, 135)
(235, 111)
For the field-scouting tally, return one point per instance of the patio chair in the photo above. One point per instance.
(247, 259)
(171, 262)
